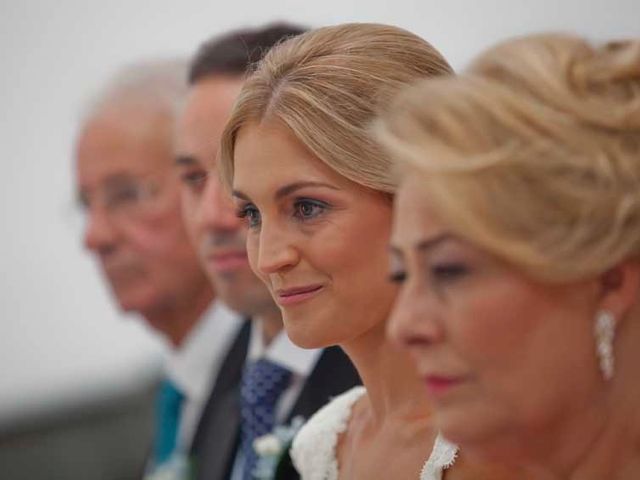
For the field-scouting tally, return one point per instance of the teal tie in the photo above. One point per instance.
(168, 409)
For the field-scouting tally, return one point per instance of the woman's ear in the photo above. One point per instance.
(620, 288)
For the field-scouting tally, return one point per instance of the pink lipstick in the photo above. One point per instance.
(439, 385)
(295, 295)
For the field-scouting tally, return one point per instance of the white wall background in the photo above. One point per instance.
(59, 329)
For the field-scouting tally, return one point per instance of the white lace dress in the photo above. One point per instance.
(314, 448)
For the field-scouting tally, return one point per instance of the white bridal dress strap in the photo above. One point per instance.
(314, 449)
(442, 457)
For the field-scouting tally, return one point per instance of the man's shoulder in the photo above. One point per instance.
(332, 375)
(334, 364)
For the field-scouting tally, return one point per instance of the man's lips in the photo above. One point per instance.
(294, 295)
(121, 270)
(227, 261)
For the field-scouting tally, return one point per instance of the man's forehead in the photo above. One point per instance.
(217, 91)
(111, 147)
(203, 118)
(129, 120)
(207, 108)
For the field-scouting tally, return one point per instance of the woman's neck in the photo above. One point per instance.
(389, 375)
(614, 450)
(615, 453)
(594, 443)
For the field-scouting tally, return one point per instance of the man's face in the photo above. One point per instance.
(217, 233)
(131, 198)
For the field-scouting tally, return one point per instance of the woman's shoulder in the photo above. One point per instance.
(314, 448)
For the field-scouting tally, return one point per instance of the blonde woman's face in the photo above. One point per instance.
(317, 240)
(504, 360)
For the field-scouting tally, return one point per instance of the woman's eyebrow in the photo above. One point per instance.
(430, 243)
(292, 187)
(288, 189)
(239, 194)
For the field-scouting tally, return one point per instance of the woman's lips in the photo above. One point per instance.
(439, 385)
(292, 296)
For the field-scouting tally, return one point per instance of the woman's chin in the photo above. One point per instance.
(306, 337)
(474, 434)
(455, 426)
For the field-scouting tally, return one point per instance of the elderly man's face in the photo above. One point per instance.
(131, 197)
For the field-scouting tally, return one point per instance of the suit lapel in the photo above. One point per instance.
(332, 375)
(214, 444)
(216, 459)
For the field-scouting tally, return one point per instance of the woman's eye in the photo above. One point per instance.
(307, 209)
(251, 214)
(398, 277)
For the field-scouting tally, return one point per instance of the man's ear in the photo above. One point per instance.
(620, 288)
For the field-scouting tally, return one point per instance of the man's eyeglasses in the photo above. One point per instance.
(123, 197)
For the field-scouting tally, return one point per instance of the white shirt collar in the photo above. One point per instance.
(195, 364)
(281, 350)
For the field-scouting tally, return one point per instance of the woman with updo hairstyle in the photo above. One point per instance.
(316, 192)
(516, 242)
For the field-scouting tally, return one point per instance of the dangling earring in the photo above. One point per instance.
(605, 330)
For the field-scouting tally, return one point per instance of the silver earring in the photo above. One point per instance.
(605, 330)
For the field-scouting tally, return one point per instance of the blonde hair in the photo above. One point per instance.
(326, 86)
(533, 154)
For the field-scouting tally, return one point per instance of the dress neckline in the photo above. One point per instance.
(315, 448)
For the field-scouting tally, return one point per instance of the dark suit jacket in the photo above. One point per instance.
(216, 440)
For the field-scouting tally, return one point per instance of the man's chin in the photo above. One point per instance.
(225, 283)
(142, 303)
(234, 300)
(226, 279)
(242, 300)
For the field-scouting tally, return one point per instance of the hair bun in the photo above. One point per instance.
(610, 75)
(612, 63)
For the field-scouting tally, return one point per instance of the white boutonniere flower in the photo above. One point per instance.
(272, 448)
(176, 468)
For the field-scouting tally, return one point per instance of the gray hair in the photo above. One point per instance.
(158, 84)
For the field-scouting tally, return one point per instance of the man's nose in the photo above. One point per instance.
(216, 208)
(99, 233)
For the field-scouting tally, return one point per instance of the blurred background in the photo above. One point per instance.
(63, 344)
